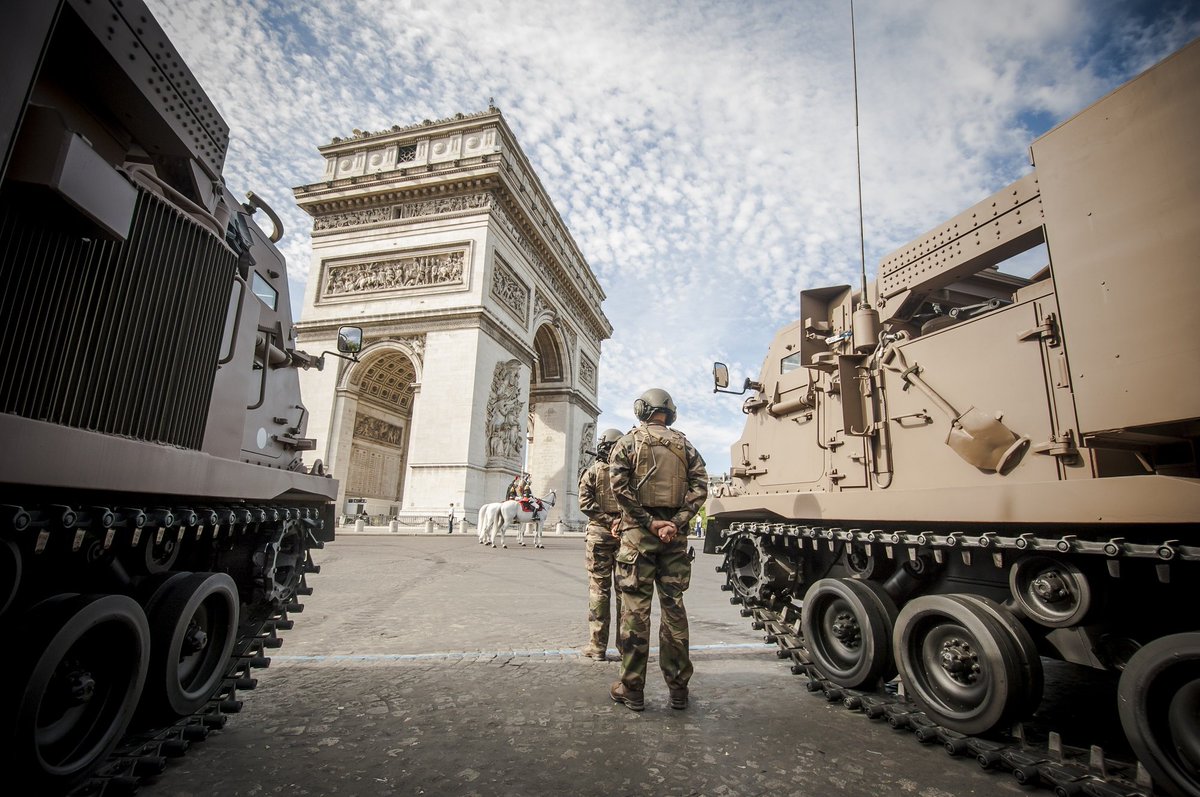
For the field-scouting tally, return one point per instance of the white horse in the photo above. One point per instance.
(514, 512)
(488, 514)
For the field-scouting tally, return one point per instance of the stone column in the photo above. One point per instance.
(341, 441)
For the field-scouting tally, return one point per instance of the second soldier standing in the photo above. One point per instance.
(659, 480)
(597, 502)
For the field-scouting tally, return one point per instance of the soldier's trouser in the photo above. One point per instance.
(643, 563)
(601, 553)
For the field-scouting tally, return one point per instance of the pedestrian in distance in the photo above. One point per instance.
(658, 478)
(450, 520)
(596, 500)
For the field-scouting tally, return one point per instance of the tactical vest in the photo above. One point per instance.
(604, 494)
(660, 473)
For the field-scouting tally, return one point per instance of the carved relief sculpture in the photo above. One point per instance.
(445, 268)
(434, 207)
(416, 343)
(378, 430)
(510, 291)
(587, 448)
(352, 219)
(504, 410)
(587, 372)
(405, 212)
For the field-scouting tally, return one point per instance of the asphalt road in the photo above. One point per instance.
(431, 665)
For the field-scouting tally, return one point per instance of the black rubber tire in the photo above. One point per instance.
(1159, 704)
(888, 607)
(11, 568)
(926, 628)
(182, 681)
(51, 742)
(1030, 659)
(863, 662)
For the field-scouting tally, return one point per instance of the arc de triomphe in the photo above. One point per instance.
(481, 322)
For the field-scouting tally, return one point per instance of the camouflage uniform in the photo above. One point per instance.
(656, 474)
(597, 502)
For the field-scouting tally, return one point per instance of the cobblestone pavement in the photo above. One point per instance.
(433, 665)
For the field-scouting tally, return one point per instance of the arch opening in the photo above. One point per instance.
(383, 388)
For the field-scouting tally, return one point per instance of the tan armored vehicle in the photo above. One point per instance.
(156, 516)
(963, 471)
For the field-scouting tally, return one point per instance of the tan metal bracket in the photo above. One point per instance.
(1060, 445)
(1047, 331)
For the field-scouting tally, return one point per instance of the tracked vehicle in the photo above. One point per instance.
(951, 476)
(156, 518)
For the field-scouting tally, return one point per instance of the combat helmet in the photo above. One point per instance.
(608, 439)
(652, 401)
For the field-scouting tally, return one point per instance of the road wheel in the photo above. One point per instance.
(960, 664)
(70, 687)
(848, 629)
(193, 626)
(1032, 676)
(1159, 703)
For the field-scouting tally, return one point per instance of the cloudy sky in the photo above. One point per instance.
(702, 154)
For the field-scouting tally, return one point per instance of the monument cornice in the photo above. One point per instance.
(418, 323)
(569, 394)
(380, 189)
(377, 177)
(570, 278)
(417, 130)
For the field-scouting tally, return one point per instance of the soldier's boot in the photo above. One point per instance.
(595, 652)
(679, 698)
(633, 701)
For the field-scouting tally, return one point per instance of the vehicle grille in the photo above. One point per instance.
(116, 337)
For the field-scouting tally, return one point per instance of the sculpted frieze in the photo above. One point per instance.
(452, 204)
(504, 410)
(587, 372)
(397, 273)
(587, 448)
(572, 337)
(416, 343)
(378, 430)
(510, 291)
(404, 212)
(339, 221)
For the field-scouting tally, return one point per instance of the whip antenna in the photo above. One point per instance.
(862, 244)
(865, 323)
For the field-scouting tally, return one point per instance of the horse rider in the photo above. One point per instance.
(596, 500)
(525, 494)
(658, 479)
(514, 488)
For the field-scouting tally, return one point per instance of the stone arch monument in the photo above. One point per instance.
(482, 323)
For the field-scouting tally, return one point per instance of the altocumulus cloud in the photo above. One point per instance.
(701, 153)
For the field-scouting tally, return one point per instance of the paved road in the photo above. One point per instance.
(433, 665)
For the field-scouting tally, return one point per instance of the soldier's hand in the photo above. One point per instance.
(664, 529)
(615, 528)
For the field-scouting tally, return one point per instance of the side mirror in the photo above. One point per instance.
(349, 340)
(720, 376)
(721, 381)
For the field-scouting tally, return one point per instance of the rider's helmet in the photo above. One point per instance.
(608, 438)
(652, 401)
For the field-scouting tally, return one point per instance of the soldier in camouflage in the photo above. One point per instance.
(597, 502)
(659, 480)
